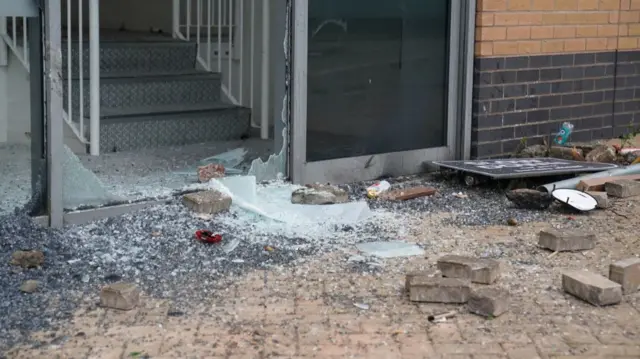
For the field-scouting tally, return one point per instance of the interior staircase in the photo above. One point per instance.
(152, 95)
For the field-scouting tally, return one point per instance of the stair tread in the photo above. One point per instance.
(109, 113)
(152, 74)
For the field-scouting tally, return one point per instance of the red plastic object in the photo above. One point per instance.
(206, 236)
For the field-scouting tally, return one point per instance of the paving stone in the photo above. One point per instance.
(438, 290)
(122, 296)
(567, 240)
(626, 272)
(406, 194)
(319, 194)
(477, 270)
(489, 302)
(623, 188)
(211, 201)
(602, 199)
(592, 288)
(425, 274)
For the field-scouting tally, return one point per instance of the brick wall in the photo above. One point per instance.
(543, 62)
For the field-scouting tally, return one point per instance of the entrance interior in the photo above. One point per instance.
(381, 82)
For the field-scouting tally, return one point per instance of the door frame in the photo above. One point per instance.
(351, 169)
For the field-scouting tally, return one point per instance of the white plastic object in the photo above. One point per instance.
(576, 199)
(377, 188)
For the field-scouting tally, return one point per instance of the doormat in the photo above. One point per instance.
(524, 167)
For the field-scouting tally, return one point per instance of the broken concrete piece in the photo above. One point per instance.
(592, 288)
(597, 184)
(408, 193)
(211, 201)
(567, 153)
(530, 198)
(602, 199)
(424, 274)
(27, 259)
(29, 286)
(477, 270)
(319, 194)
(438, 290)
(122, 296)
(212, 170)
(626, 273)
(603, 154)
(632, 156)
(623, 188)
(533, 151)
(569, 240)
(489, 302)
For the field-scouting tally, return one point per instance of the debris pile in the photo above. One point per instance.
(582, 193)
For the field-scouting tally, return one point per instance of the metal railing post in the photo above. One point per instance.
(94, 76)
(264, 86)
(176, 18)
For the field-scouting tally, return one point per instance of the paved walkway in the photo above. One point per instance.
(308, 311)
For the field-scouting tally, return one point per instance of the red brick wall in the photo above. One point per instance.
(533, 27)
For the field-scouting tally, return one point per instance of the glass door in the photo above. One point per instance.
(375, 87)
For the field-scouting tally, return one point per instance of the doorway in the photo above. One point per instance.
(377, 87)
(24, 179)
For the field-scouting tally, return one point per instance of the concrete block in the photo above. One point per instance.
(438, 290)
(207, 201)
(425, 274)
(566, 240)
(489, 302)
(602, 199)
(122, 296)
(592, 288)
(626, 273)
(597, 184)
(623, 188)
(477, 270)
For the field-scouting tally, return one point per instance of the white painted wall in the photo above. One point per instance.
(15, 102)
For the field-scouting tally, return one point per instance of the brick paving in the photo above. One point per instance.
(308, 311)
(304, 317)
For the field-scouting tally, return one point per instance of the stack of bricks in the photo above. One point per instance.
(540, 63)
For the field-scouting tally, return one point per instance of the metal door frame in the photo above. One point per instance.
(43, 26)
(351, 169)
